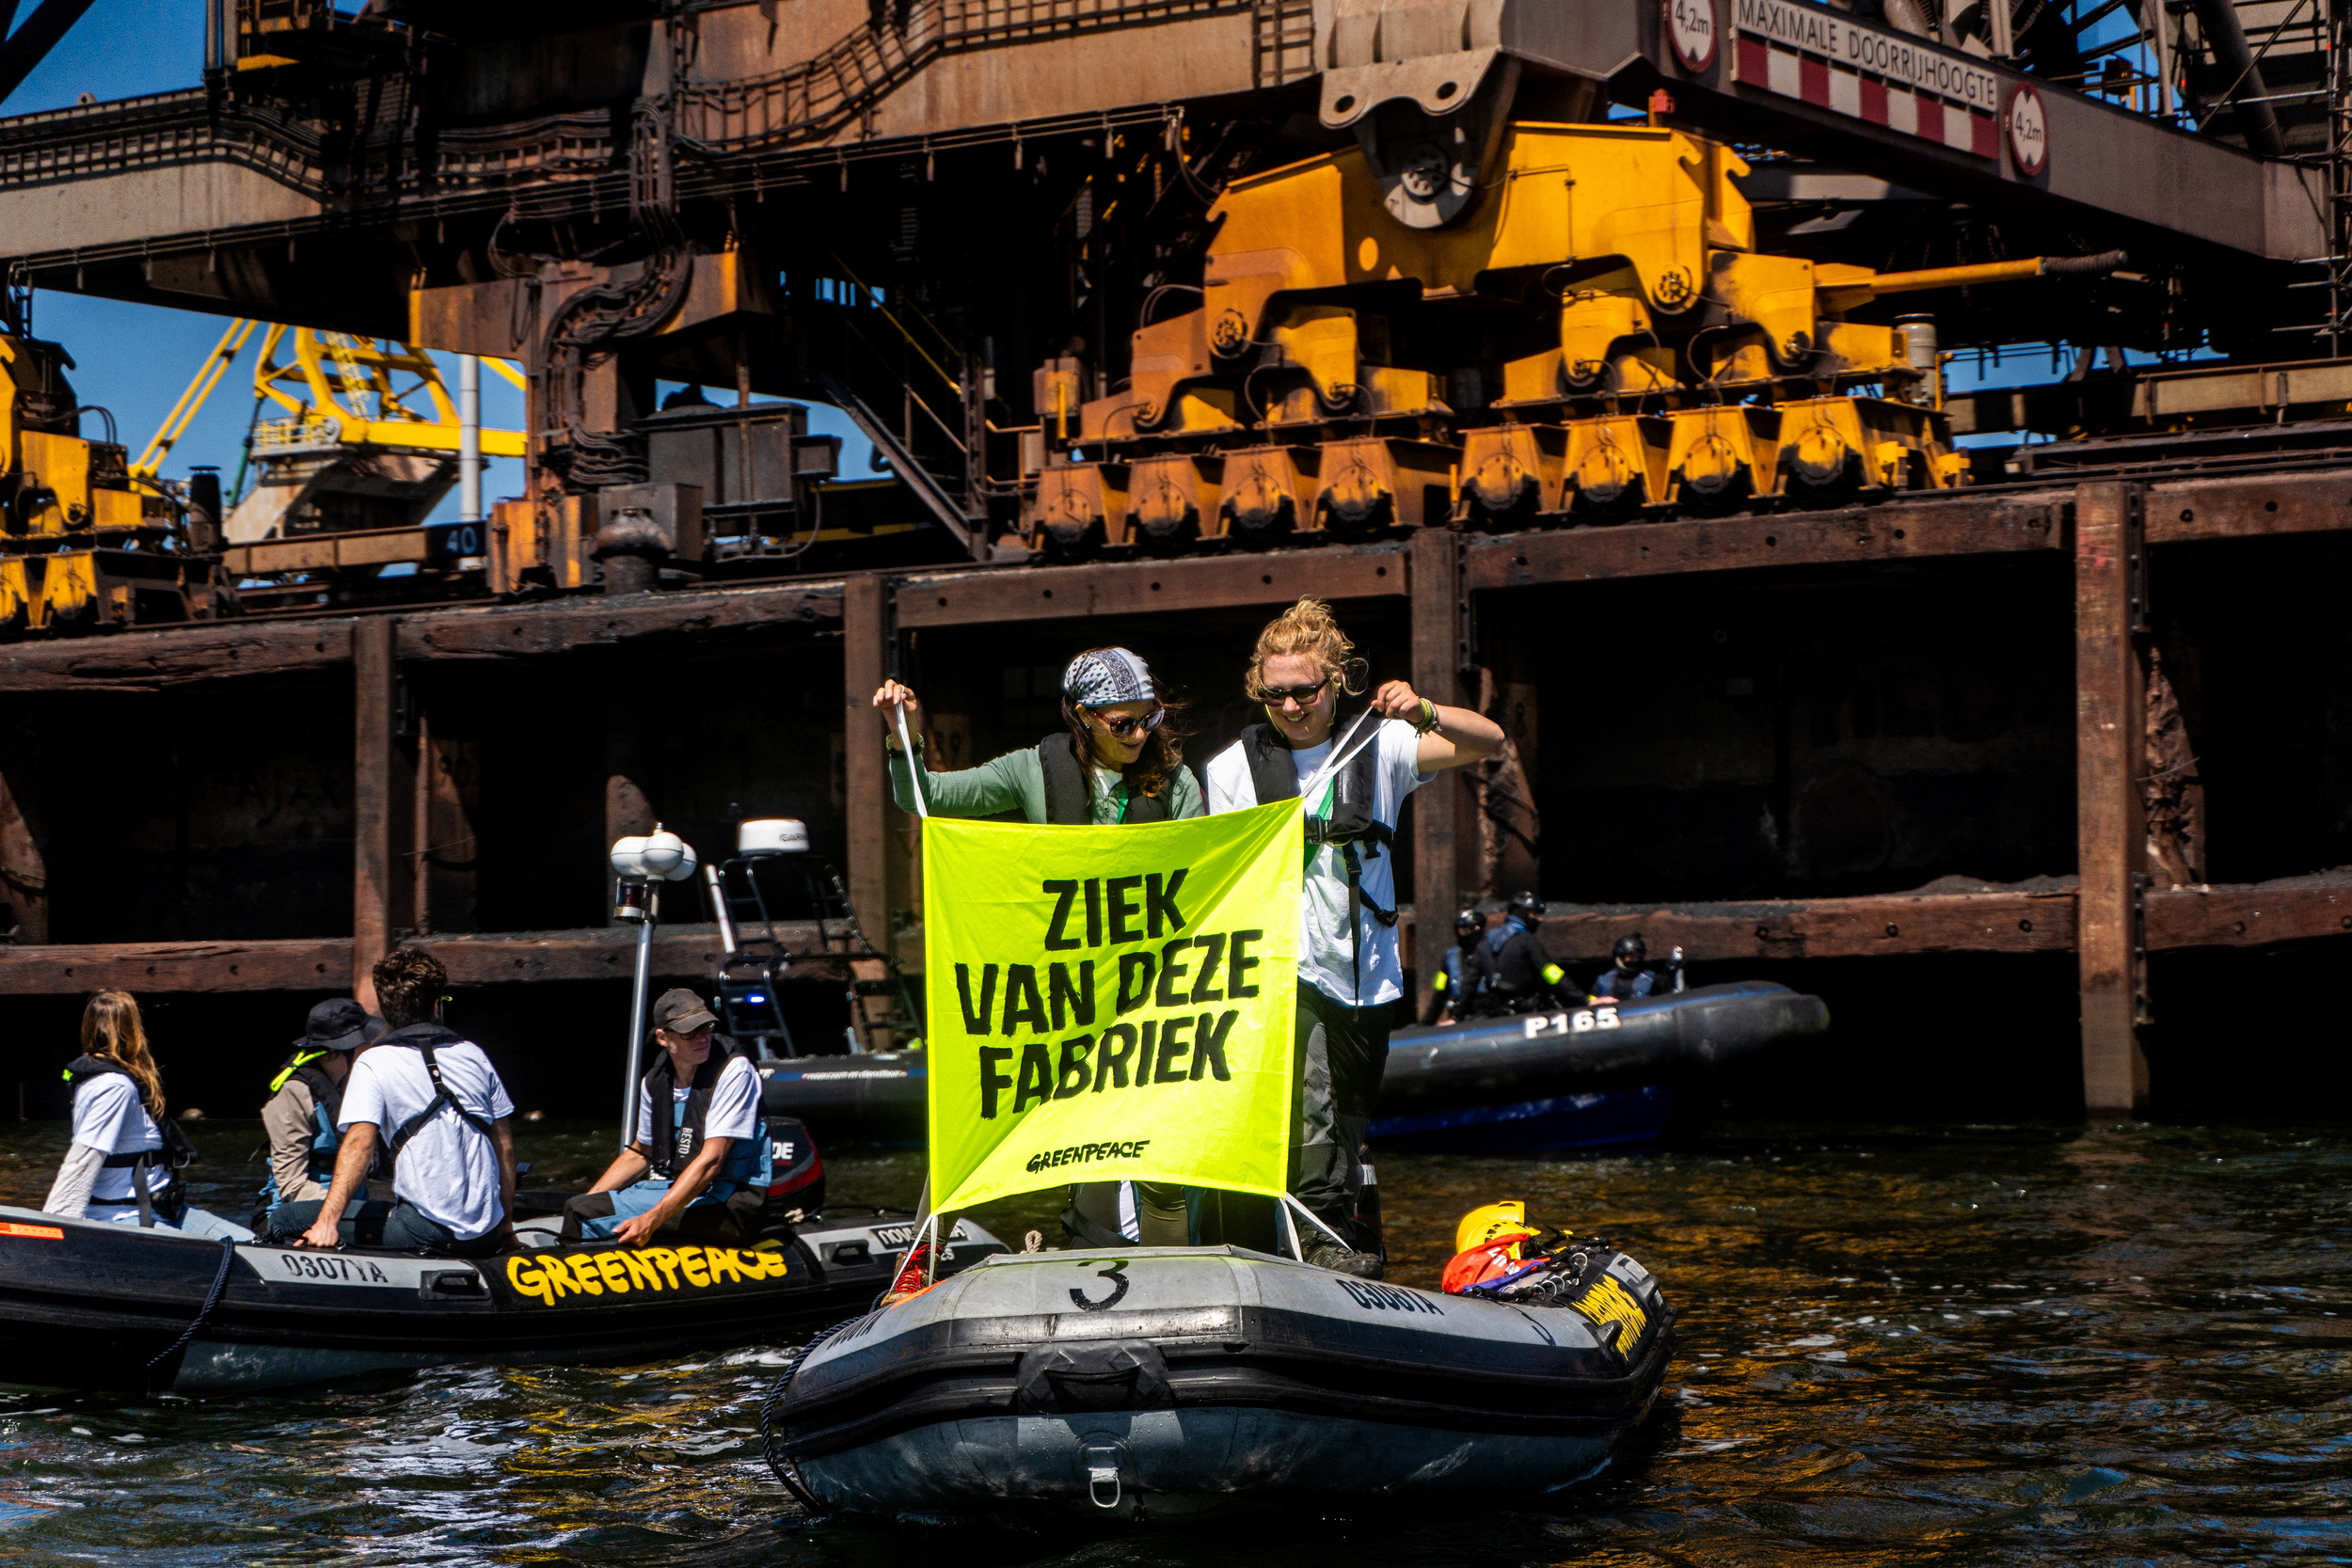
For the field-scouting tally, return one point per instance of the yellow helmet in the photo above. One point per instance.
(1496, 1220)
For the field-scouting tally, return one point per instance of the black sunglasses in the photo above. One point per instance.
(1143, 723)
(1301, 694)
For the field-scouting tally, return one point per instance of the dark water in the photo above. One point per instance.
(1985, 1344)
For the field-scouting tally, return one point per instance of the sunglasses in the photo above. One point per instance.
(1142, 724)
(1302, 695)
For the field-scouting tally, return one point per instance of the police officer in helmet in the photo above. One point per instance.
(1626, 978)
(699, 1163)
(1525, 979)
(1459, 989)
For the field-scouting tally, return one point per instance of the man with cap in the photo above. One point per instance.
(305, 1098)
(1116, 760)
(698, 1163)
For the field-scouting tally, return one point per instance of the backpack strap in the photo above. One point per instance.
(442, 1100)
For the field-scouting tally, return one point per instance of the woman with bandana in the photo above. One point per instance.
(1116, 760)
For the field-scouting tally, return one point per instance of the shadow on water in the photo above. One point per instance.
(1960, 1344)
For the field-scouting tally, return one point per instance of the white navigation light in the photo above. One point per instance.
(659, 856)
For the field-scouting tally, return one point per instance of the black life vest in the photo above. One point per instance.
(1274, 776)
(423, 1038)
(1069, 798)
(673, 1141)
(178, 1151)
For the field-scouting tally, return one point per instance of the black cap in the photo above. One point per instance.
(1525, 904)
(340, 1024)
(1630, 947)
(682, 1012)
(1468, 919)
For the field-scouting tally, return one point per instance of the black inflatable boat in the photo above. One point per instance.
(1580, 1079)
(1186, 1382)
(875, 1097)
(1573, 1079)
(91, 1303)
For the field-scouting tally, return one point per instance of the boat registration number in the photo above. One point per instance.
(1582, 1022)
(330, 1269)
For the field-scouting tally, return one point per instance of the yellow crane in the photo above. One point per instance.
(336, 388)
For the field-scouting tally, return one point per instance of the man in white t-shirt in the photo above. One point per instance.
(436, 1102)
(699, 1163)
(1349, 970)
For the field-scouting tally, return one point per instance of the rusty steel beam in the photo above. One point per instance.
(1140, 587)
(2110, 602)
(519, 631)
(1779, 929)
(2183, 511)
(323, 963)
(1897, 530)
(1437, 662)
(1823, 928)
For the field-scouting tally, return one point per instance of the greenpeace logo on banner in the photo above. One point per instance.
(1116, 999)
(1080, 1153)
(1887, 79)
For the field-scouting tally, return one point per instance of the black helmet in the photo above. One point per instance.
(1470, 920)
(1630, 947)
(1526, 905)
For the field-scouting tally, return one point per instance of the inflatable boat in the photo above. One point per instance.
(1176, 1383)
(875, 1097)
(1584, 1079)
(89, 1304)
(1579, 1079)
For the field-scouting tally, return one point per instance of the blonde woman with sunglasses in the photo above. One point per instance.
(1350, 974)
(1117, 759)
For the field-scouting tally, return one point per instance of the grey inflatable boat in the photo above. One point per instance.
(1181, 1383)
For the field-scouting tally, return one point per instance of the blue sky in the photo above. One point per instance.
(136, 359)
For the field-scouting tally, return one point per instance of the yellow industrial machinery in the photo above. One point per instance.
(81, 547)
(1595, 334)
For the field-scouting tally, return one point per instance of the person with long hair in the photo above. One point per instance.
(1118, 758)
(1349, 970)
(126, 1156)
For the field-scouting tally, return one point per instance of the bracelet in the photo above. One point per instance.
(1429, 719)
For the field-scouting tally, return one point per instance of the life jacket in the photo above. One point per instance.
(1623, 986)
(673, 1140)
(177, 1152)
(1069, 797)
(1273, 776)
(423, 1038)
(327, 1104)
(1524, 974)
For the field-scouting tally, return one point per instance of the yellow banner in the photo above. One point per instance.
(1110, 1003)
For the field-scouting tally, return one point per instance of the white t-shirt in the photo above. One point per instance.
(734, 1104)
(448, 1171)
(1326, 960)
(108, 1117)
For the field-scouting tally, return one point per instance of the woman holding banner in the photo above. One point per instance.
(1116, 760)
(1349, 970)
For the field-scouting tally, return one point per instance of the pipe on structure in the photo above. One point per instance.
(469, 437)
(2246, 90)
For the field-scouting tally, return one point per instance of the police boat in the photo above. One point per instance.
(872, 1097)
(1170, 1384)
(1581, 1078)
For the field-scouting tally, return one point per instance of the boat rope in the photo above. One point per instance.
(771, 1447)
(211, 1299)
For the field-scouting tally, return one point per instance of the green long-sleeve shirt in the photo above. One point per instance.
(1016, 781)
